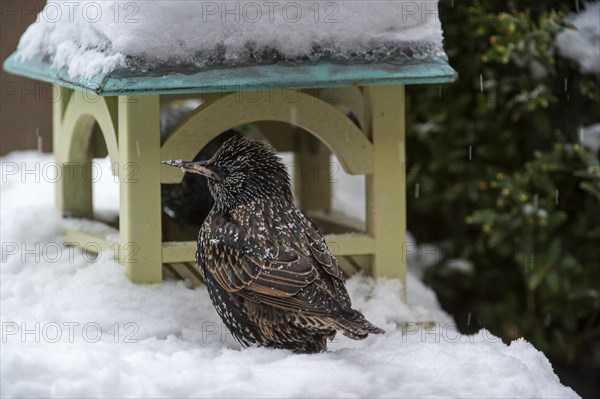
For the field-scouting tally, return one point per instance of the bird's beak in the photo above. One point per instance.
(194, 167)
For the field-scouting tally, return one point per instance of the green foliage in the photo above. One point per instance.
(503, 179)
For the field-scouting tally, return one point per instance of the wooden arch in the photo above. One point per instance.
(83, 111)
(301, 109)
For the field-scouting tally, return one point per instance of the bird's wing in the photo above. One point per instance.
(241, 261)
(270, 273)
(320, 250)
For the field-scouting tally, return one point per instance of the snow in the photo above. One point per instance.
(90, 37)
(590, 137)
(583, 44)
(76, 327)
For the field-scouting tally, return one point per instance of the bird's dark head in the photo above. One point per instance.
(241, 171)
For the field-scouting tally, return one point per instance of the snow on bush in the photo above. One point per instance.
(74, 326)
(589, 137)
(583, 44)
(91, 37)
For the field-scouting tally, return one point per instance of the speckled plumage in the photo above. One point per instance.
(267, 268)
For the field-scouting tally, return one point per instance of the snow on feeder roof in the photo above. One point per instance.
(205, 46)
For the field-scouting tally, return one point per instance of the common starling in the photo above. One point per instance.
(267, 268)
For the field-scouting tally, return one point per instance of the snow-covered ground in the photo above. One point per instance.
(92, 37)
(76, 327)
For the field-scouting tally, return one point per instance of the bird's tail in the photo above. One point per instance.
(354, 325)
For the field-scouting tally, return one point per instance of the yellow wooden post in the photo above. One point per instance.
(74, 187)
(60, 99)
(74, 190)
(139, 183)
(386, 187)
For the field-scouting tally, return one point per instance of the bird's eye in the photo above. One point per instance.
(219, 174)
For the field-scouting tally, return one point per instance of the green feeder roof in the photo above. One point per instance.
(123, 82)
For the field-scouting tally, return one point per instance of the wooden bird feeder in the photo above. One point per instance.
(117, 115)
